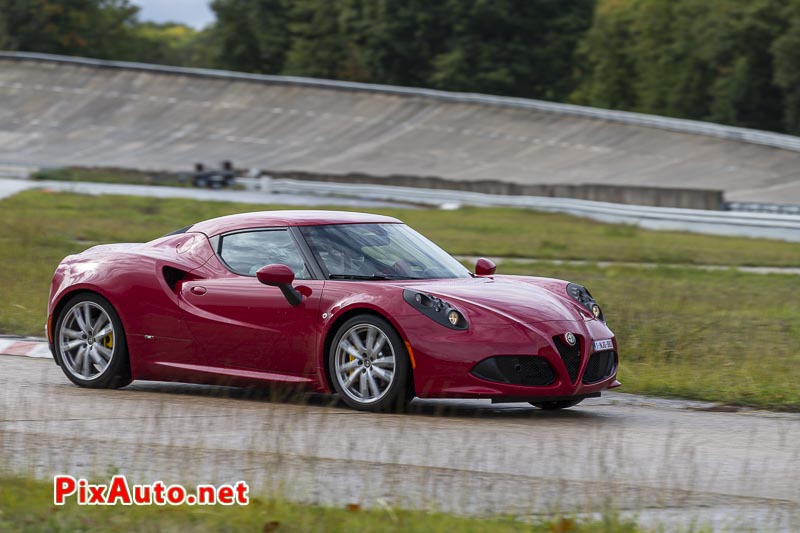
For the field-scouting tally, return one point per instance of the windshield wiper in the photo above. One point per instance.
(368, 278)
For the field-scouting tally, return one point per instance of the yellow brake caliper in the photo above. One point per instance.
(351, 359)
(108, 341)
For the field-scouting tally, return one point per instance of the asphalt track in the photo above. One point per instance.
(59, 114)
(670, 462)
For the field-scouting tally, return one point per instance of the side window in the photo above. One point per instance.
(244, 253)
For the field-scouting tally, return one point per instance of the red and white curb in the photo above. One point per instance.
(24, 346)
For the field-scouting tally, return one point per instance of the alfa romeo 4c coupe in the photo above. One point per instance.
(357, 304)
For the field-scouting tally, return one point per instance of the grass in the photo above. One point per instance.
(109, 175)
(722, 336)
(27, 505)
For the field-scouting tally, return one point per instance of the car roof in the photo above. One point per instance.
(268, 219)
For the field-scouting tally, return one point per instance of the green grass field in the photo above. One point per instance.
(27, 506)
(719, 336)
(110, 175)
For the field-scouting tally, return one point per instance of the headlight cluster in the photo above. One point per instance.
(435, 309)
(581, 294)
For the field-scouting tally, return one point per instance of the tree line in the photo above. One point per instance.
(729, 61)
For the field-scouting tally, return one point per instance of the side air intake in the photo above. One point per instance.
(173, 275)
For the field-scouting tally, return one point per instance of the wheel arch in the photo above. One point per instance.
(333, 329)
(58, 308)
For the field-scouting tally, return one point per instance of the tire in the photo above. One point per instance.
(370, 380)
(88, 357)
(555, 406)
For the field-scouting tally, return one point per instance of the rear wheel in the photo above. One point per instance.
(369, 365)
(554, 406)
(91, 344)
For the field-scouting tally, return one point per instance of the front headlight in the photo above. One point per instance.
(581, 294)
(435, 309)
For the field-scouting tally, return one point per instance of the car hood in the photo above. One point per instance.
(517, 300)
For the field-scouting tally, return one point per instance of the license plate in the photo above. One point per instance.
(605, 344)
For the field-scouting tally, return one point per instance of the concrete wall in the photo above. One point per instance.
(57, 112)
(622, 194)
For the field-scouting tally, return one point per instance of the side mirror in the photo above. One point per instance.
(485, 267)
(280, 276)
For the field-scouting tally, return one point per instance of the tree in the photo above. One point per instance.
(700, 59)
(786, 54)
(171, 44)
(743, 91)
(96, 28)
(605, 59)
(513, 47)
(393, 42)
(252, 35)
(318, 48)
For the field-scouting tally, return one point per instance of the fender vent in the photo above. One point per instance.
(173, 275)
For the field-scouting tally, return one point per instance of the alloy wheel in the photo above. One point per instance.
(365, 363)
(86, 340)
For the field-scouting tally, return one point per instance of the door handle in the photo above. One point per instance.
(198, 290)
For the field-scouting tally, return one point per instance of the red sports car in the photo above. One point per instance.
(353, 303)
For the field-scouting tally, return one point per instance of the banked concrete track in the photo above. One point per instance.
(59, 111)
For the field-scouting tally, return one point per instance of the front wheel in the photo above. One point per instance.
(91, 344)
(369, 365)
(555, 406)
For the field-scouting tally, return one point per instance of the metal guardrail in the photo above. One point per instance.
(761, 207)
(775, 140)
(766, 225)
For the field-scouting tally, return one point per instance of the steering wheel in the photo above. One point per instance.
(405, 267)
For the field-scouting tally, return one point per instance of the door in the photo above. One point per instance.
(239, 323)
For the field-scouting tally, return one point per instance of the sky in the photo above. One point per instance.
(195, 13)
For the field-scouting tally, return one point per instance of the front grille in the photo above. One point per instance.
(571, 355)
(600, 366)
(531, 371)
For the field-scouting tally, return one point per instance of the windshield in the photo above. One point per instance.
(379, 251)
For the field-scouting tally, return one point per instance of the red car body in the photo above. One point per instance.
(189, 318)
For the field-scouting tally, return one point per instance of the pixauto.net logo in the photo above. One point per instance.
(119, 492)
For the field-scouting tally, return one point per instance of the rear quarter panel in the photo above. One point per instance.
(133, 282)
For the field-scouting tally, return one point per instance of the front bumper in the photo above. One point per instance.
(446, 361)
